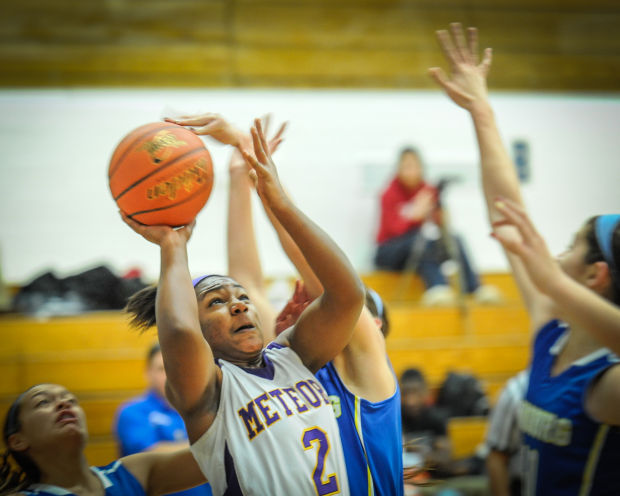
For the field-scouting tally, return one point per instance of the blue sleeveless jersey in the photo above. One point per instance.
(566, 451)
(116, 480)
(371, 436)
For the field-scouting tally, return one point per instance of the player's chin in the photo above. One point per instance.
(249, 342)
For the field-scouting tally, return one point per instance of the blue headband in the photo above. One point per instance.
(604, 228)
(377, 301)
(197, 280)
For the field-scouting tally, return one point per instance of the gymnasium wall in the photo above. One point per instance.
(539, 44)
(56, 211)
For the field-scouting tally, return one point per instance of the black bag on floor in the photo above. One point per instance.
(462, 395)
(93, 289)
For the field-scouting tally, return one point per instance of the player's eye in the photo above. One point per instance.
(215, 301)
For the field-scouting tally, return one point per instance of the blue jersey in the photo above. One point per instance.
(148, 420)
(371, 436)
(116, 480)
(567, 453)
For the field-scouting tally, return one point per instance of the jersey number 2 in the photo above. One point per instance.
(317, 436)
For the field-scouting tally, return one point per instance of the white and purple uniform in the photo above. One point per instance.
(274, 432)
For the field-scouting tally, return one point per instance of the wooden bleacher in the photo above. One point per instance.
(569, 45)
(490, 341)
(101, 360)
(94, 355)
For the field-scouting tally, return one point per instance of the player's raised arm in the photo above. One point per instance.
(467, 87)
(575, 302)
(242, 251)
(325, 327)
(367, 343)
(192, 376)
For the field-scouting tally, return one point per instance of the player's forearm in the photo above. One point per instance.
(340, 282)
(499, 177)
(585, 308)
(312, 284)
(167, 446)
(497, 469)
(243, 260)
(176, 308)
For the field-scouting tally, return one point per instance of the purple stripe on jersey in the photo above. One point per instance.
(232, 481)
(274, 346)
(265, 372)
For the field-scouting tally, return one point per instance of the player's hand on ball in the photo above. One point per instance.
(160, 234)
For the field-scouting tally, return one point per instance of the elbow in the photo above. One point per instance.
(358, 295)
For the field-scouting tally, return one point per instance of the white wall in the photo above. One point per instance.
(57, 213)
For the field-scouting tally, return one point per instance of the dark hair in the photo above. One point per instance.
(27, 473)
(153, 350)
(595, 254)
(377, 308)
(412, 375)
(141, 305)
(409, 149)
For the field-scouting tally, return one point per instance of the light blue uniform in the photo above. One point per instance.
(567, 453)
(116, 480)
(371, 436)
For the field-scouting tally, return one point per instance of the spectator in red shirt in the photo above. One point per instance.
(410, 237)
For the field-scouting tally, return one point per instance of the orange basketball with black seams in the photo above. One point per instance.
(161, 174)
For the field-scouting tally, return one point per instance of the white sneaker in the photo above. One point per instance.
(488, 295)
(439, 296)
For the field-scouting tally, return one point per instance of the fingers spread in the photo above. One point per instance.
(486, 60)
(446, 45)
(472, 43)
(261, 137)
(258, 147)
(516, 215)
(249, 159)
(266, 120)
(459, 41)
(509, 243)
(208, 129)
(281, 130)
(439, 76)
(195, 120)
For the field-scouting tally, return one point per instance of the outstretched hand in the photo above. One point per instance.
(541, 266)
(467, 84)
(213, 125)
(159, 234)
(263, 168)
(237, 161)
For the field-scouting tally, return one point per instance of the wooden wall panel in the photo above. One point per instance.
(539, 44)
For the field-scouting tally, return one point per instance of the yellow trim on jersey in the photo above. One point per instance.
(358, 428)
(595, 452)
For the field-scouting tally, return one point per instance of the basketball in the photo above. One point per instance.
(161, 174)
